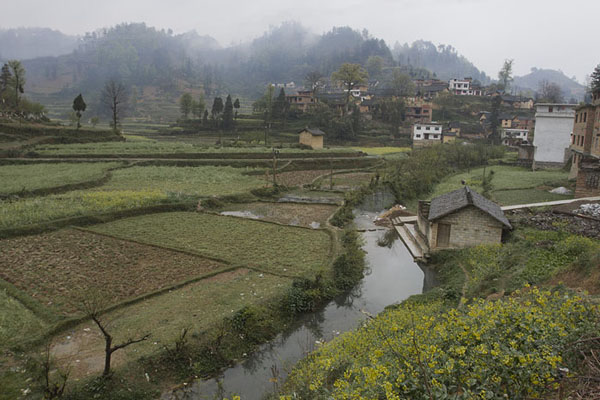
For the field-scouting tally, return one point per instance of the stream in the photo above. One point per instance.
(391, 276)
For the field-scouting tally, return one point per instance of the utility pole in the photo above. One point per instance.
(330, 175)
(275, 154)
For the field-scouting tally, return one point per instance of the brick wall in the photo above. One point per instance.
(585, 183)
(469, 227)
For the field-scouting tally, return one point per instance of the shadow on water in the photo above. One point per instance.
(391, 277)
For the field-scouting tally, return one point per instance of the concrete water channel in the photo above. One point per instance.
(391, 277)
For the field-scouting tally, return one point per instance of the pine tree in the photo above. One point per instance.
(79, 107)
(5, 77)
(236, 105)
(228, 114)
(595, 84)
(186, 104)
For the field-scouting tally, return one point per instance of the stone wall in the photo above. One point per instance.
(588, 182)
(469, 227)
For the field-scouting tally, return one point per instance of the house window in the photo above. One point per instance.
(585, 116)
(437, 128)
(428, 128)
(418, 128)
(592, 181)
(550, 109)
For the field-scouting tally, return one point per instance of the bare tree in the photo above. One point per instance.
(505, 74)
(114, 98)
(92, 306)
(53, 388)
(550, 92)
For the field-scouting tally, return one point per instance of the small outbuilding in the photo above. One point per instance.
(312, 137)
(458, 219)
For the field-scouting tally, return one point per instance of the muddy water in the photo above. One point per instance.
(392, 276)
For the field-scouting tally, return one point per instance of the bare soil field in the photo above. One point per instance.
(296, 178)
(55, 267)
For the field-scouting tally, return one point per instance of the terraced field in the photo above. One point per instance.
(24, 178)
(57, 268)
(274, 248)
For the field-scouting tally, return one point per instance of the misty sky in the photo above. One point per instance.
(542, 33)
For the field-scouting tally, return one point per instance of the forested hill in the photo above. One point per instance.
(27, 43)
(443, 60)
(144, 56)
(532, 81)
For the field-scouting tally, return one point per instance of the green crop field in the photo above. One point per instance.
(200, 181)
(380, 151)
(16, 178)
(275, 248)
(511, 185)
(76, 203)
(16, 321)
(137, 146)
(56, 268)
(196, 306)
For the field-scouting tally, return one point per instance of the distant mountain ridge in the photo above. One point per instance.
(570, 87)
(29, 43)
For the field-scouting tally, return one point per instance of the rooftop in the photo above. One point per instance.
(453, 201)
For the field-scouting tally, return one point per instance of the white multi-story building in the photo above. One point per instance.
(512, 137)
(427, 133)
(464, 87)
(552, 134)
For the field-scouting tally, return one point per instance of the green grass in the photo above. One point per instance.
(197, 306)
(275, 248)
(16, 178)
(379, 151)
(200, 181)
(137, 146)
(529, 257)
(76, 203)
(16, 321)
(507, 178)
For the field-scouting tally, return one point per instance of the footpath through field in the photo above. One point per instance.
(549, 203)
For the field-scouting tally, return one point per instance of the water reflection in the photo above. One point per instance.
(393, 276)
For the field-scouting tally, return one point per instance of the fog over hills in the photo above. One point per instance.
(141, 56)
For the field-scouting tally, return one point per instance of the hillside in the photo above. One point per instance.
(443, 60)
(531, 81)
(28, 43)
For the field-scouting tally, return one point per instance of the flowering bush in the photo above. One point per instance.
(487, 350)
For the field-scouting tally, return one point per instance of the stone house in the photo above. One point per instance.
(312, 137)
(458, 219)
(301, 100)
(585, 147)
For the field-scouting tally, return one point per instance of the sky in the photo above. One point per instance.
(534, 33)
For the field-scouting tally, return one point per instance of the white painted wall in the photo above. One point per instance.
(552, 133)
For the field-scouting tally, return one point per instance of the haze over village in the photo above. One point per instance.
(277, 200)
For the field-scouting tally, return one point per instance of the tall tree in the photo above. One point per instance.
(375, 66)
(549, 92)
(595, 79)
(228, 114)
(205, 118)
(186, 103)
(5, 77)
(17, 80)
(236, 105)
(495, 120)
(350, 76)
(505, 74)
(313, 80)
(79, 107)
(198, 107)
(402, 83)
(216, 110)
(114, 99)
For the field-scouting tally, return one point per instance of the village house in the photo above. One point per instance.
(301, 100)
(587, 158)
(514, 136)
(454, 127)
(418, 111)
(518, 102)
(459, 219)
(464, 87)
(552, 135)
(448, 137)
(426, 134)
(430, 88)
(312, 137)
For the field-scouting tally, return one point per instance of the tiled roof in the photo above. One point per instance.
(313, 131)
(461, 198)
